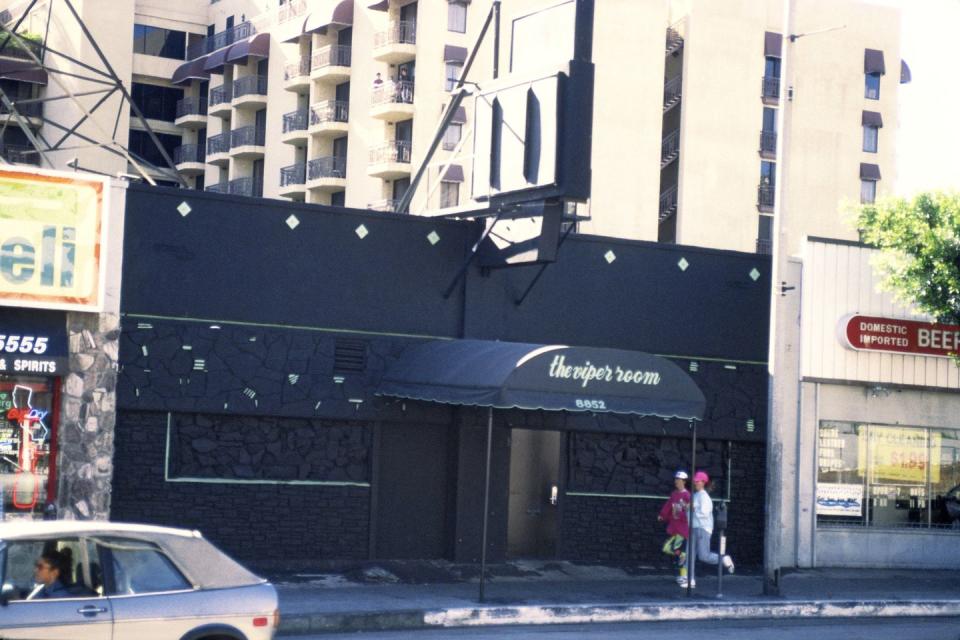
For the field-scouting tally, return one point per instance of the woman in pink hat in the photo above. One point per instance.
(703, 528)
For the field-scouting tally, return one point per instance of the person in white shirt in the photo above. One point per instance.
(703, 528)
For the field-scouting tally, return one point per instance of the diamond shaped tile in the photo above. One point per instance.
(293, 221)
(609, 256)
(754, 274)
(361, 232)
(683, 264)
(433, 237)
(184, 208)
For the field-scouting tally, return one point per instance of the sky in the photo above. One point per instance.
(929, 135)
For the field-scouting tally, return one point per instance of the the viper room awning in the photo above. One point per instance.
(507, 375)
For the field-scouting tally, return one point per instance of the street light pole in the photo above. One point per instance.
(779, 412)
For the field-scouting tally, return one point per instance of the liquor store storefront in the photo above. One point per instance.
(880, 422)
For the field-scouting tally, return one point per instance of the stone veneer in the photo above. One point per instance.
(88, 417)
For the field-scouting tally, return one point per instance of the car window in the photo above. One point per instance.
(22, 578)
(140, 567)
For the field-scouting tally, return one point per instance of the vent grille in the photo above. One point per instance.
(349, 356)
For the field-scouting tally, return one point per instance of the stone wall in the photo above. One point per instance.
(88, 416)
(262, 524)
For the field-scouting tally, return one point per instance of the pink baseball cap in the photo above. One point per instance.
(701, 476)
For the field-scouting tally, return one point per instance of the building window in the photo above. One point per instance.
(453, 74)
(868, 191)
(872, 90)
(765, 235)
(154, 41)
(338, 199)
(451, 137)
(888, 476)
(142, 145)
(457, 16)
(154, 102)
(27, 439)
(870, 136)
(449, 194)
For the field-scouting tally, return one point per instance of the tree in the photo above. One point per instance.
(919, 242)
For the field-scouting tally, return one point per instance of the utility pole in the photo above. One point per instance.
(781, 415)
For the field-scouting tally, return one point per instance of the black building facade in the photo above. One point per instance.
(254, 335)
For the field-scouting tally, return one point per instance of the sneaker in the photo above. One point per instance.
(683, 583)
(728, 564)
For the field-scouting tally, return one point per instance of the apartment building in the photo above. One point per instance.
(336, 102)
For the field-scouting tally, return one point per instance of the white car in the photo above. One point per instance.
(127, 582)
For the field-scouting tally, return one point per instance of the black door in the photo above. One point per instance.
(340, 157)
(411, 512)
(258, 178)
(400, 187)
(345, 37)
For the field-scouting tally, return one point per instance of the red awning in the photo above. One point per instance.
(257, 46)
(454, 54)
(383, 5)
(22, 71)
(454, 173)
(214, 62)
(192, 70)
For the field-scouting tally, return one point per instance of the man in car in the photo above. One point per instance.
(51, 566)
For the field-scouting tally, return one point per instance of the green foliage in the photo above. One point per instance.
(919, 242)
(32, 39)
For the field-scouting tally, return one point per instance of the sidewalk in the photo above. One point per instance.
(419, 595)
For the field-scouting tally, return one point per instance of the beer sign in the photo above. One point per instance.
(892, 335)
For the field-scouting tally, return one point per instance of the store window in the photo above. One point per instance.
(888, 476)
(27, 445)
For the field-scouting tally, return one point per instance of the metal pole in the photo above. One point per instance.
(486, 503)
(496, 39)
(777, 384)
(691, 552)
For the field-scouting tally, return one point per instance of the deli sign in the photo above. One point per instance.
(892, 335)
(52, 236)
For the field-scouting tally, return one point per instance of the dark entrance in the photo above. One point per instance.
(534, 483)
(411, 486)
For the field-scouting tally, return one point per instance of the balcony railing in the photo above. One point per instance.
(191, 107)
(294, 174)
(335, 55)
(222, 187)
(327, 167)
(291, 10)
(770, 89)
(400, 91)
(396, 151)
(297, 69)
(668, 203)
(220, 40)
(219, 143)
(20, 154)
(248, 136)
(672, 92)
(14, 50)
(669, 148)
(189, 153)
(221, 94)
(295, 121)
(765, 197)
(242, 187)
(768, 143)
(384, 205)
(329, 111)
(764, 246)
(404, 32)
(250, 86)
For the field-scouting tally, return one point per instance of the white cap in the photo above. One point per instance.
(682, 475)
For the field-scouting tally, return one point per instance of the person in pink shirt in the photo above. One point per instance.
(674, 513)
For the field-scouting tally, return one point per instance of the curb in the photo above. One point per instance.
(301, 624)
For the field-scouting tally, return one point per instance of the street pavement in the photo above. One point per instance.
(438, 595)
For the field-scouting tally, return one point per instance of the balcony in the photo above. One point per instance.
(295, 127)
(669, 148)
(22, 52)
(293, 181)
(247, 142)
(764, 247)
(190, 159)
(219, 104)
(327, 174)
(218, 149)
(331, 64)
(390, 160)
(392, 101)
(766, 197)
(768, 144)
(388, 206)
(672, 92)
(296, 76)
(329, 118)
(220, 40)
(191, 113)
(31, 111)
(250, 91)
(770, 90)
(397, 44)
(222, 187)
(245, 187)
(668, 203)
(20, 154)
